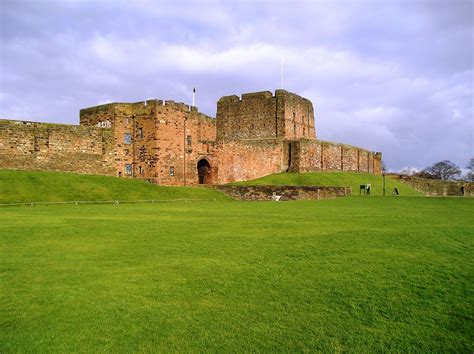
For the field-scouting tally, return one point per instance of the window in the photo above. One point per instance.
(140, 133)
(171, 170)
(189, 140)
(128, 169)
(127, 138)
(140, 170)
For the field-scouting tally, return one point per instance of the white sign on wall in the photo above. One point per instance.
(104, 124)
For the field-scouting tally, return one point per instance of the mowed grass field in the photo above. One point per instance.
(368, 274)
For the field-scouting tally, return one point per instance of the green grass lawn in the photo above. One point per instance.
(352, 274)
(31, 186)
(336, 179)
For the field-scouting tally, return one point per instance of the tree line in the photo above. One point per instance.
(444, 170)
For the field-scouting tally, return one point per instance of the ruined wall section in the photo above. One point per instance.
(269, 192)
(317, 155)
(56, 147)
(435, 187)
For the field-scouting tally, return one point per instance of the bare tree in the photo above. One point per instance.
(445, 170)
(470, 167)
(424, 174)
(409, 171)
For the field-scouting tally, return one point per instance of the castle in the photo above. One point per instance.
(172, 143)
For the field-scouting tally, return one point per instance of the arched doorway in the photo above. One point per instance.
(204, 172)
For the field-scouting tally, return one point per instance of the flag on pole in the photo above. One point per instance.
(194, 90)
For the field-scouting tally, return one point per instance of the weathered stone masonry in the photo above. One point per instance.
(433, 187)
(172, 143)
(40, 146)
(284, 192)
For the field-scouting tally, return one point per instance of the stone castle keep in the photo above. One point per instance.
(172, 143)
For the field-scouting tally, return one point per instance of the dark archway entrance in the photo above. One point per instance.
(204, 172)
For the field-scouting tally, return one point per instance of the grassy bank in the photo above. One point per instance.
(28, 186)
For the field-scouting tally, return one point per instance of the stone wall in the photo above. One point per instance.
(298, 116)
(434, 187)
(286, 192)
(57, 147)
(317, 155)
(248, 159)
(262, 115)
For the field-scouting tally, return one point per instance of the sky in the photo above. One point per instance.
(389, 76)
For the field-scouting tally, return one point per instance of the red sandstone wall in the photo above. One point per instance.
(363, 161)
(331, 157)
(316, 155)
(310, 156)
(40, 146)
(183, 138)
(121, 119)
(349, 158)
(167, 139)
(298, 116)
(243, 160)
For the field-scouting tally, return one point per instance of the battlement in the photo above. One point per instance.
(229, 99)
(106, 115)
(24, 125)
(179, 106)
(257, 95)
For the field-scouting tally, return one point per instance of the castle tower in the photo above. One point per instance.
(262, 115)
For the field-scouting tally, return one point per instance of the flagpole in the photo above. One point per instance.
(194, 92)
(282, 63)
